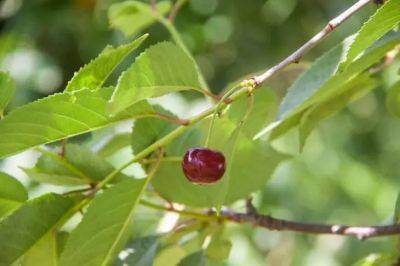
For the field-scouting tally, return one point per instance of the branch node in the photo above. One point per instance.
(331, 26)
(250, 209)
(297, 60)
(185, 122)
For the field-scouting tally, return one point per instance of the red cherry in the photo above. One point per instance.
(203, 166)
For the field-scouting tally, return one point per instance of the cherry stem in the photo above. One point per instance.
(217, 109)
(207, 93)
(250, 105)
(164, 159)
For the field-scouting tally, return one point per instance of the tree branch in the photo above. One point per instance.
(298, 54)
(270, 223)
(265, 221)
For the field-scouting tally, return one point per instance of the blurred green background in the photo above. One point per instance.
(348, 171)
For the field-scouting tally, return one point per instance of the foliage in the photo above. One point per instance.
(109, 182)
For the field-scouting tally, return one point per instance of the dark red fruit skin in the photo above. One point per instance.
(203, 166)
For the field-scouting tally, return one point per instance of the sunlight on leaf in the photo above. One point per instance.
(103, 230)
(95, 73)
(34, 219)
(160, 69)
(60, 116)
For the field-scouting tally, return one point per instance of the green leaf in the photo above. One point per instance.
(26, 226)
(353, 90)
(7, 89)
(161, 69)
(311, 80)
(385, 19)
(91, 164)
(175, 235)
(219, 247)
(194, 259)
(40, 176)
(146, 131)
(263, 111)
(54, 169)
(230, 154)
(79, 166)
(102, 231)
(393, 99)
(144, 250)
(116, 143)
(311, 89)
(12, 194)
(95, 73)
(60, 116)
(173, 254)
(131, 17)
(44, 253)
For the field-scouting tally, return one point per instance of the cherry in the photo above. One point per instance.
(203, 166)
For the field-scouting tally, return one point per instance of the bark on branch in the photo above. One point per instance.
(298, 54)
(271, 223)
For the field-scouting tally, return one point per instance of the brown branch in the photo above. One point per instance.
(265, 221)
(298, 54)
(270, 223)
(361, 232)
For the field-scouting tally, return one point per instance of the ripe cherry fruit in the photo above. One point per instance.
(203, 166)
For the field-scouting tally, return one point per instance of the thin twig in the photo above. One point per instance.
(298, 54)
(175, 8)
(164, 159)
(207, 93)
(174, 120)
(270, 223)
